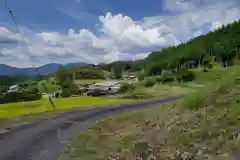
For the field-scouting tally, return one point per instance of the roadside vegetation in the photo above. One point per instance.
(203, 125)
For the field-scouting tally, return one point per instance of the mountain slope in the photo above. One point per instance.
(47, 69)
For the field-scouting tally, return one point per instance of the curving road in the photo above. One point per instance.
(44, 139)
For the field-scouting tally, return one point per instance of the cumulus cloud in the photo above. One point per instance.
(120, 38)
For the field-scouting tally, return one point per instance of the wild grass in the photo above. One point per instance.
(204, 125)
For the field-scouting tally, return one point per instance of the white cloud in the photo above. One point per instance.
(121, 37)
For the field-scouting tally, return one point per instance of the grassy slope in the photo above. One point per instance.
(161, 90)
(185, 129)
(215, 74)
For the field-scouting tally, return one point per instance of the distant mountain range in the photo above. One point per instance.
(47, 69)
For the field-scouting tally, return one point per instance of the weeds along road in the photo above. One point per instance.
(45, 139)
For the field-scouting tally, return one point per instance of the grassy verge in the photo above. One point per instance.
(204, 125)
(215, 74)
(157, 91)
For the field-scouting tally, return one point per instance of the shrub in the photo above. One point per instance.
(140, 76)
(185, 75)
(237, 81)
(137, 95)
(194, 100)
(67, 92)
(205, 70)
(19, 96)
(210, 66)
(164, 79)
(149, 82)
(126, 87)
(221, 91)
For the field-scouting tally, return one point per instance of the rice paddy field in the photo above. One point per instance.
(19, 109)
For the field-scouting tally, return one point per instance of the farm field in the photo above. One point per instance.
(19, 109)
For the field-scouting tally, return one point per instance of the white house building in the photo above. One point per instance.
(14, 88)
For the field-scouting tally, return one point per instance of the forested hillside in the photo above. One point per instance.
(222, 44)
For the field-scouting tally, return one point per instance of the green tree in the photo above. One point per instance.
(63, 74)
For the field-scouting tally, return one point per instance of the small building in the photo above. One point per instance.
(103, 88)
(190, 64)
(130, 76)
(14, 88)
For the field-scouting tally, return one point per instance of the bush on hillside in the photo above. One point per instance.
(67, 92)
(164, 79)
(33, 89)
(137, 95)
(185, 75)
(194, 100)
(126, 87)
(205, 70)
(149, 82)
(140, 76)
(221, 92)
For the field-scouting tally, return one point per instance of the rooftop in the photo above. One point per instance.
(103, 85)
(13, 86)
(106, 83)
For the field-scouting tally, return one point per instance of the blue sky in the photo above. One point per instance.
(93, 31)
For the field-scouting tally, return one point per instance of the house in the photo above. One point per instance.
(130, 76)
(190, 64)
(14, 88)
(103, 88)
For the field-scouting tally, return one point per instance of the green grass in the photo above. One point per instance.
(198, 127)
(87, 81)
(11, 110)
(215, 74)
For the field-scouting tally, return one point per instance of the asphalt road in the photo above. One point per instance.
(44, 139)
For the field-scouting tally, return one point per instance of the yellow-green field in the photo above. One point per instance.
(19, 109)
(87, 81)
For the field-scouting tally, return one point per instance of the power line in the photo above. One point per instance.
(18, 29)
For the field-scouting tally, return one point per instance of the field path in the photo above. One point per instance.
(44, 139)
